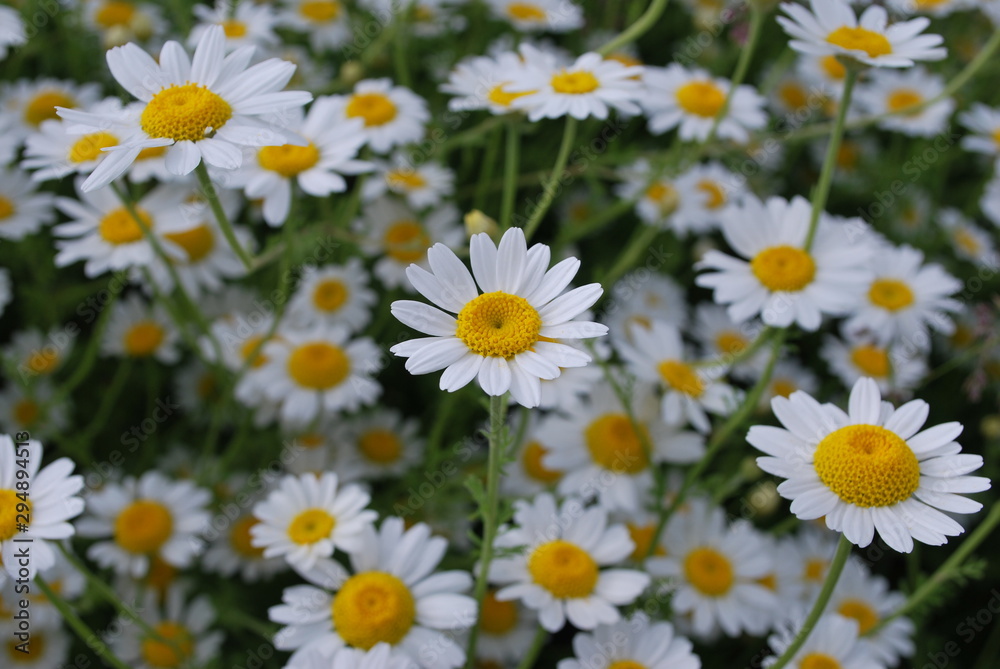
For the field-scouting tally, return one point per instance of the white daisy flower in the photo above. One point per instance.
(708, 189)
(990, 202)
(233, 552)
(780, 280)
(558, 570)
(641, 297)
(833, 29)
(49, 493)
(691, 99)
(722, 339)
(140, 330)
(970, 242)
(26, 103)
(500, 336)
(143, 519)
(936, 8)
(635, 643)
(557, 16)
(325, 21)
(54, 152)
(527, 474)
(657, 197)
(788, 376)
(427, 18)
(317, 167)
(833, 642)
(333, 294)
(48, 647)
(795, 96)
(121, 21)
(869, 469)
(207, 108)
(402, 237)
(812, 550)
(392, 115)
(23, 210)
(906, 299)
(11, 30)
(33, 409)
(307, 517)
(564, 393)
(245, 23)
(867, 599)
(34, 353)
(717, 570)
(393, 596)
(421, 185)
(506, 631)
(377, 445)
(381, 656)
(481, 82)
(893, 92)
(825, 75)
(894, 368)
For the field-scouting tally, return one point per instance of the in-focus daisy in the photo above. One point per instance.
(502, 335)
(969, 240)
(140, 330)
(205, 108)
(892, 367)
(245, 23)
(139, 520)
(556, 16)
(392, 115)
(34, 409)
(307, 517)
(636, 643)
(392, 596)
(870, 468)
(866, 598)
(640, 298)
(984, 122)
(26, 103)
(23, 210)
(832, 28)
(690, 100)
(481, 82)
(781, 280)
(558, 567)
(49, 493)
(899, 93)
(376, 445)
(332, 295)
(11, 30)
(422, 185)
(834, 642)
(325, 21)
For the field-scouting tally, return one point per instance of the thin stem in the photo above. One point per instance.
(109, 402)
(641, 239)
(528, 661)
(832, 576)
(87, 635)
(208, 189)
(90, 354)
(549, 191)
(488, 166)
(637, 29)
(594, 223)
(742, 66)
(510, 168)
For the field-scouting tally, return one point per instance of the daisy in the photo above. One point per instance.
(937, 8)
(140, 330)
(6, 293)
(48, 647)
(707, 189)
(325, 21)
(723, 339)
(716, 570)
(640, 298)
(377, 445)
(527, 474)
(812, 550)
(307, 517)
(334, 294)
(34, 409)
(657, 197)
(421, 185)
(990, 202)
(244, 23)
(54, 152)
(834, 642)
(894, 92)
(906, 299)
(50, 496)
(867, 599)
(121, 21)
(825, 75)
(392, 115)
(557, 568)
(140, 520)
(587, 87)
(793, 96)
(555, 16)
(426, 18)
(202, 109)
(869, 469)
(564, 393)
(781, 280)
(34, 353)
(970, 242)
(233, 552)
(11, 30)
(317, 167)
(691, 100)
(833, 29)
(788, 376)
(633, 643)
(502, 335)
(23, 210)
(392, 595)
(506, 631)
(26, 103)
(893, 368)
(381, 656)
(482, 82)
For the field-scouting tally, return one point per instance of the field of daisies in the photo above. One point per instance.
(489, 334)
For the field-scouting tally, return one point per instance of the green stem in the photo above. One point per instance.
(510, 168)
(742, 66)
(89, 355)
(208, 189)
(87, 635)
(108, 403)
(488, 166)
(832, 576)
(528, 661)
(594, 223)
(550, 188)
(637, 29)
(399, 56)
(641, 239)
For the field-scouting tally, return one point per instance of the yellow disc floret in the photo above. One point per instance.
(373, 607)
(406, 241)
(614, 444)
(627, 664)
(564, 569)
(701, 98)
(320, 11)
(498, 325)
(859, 610)
(404, 179)
(709, 571)
(380, 446)
(288, 160)
(188, 112)
(681, 377)
(867, 465)
(44, 361)
(818, 661)
(8, 513)
(574, 83)
(642, 537)
(904, 99)
(197, 242)
(526, 11)
(311, 526)
(665, 196)
(890, 294)
(783, 268)
(241, 539)
(730, 341)
(319, 365)
(89, 147)
(143, 339)
(143, 526)
(330, 295)
(43, 106)
(860, 39)
(716, 193)
(532, 461)
(114, 13)
(25, 413)
(374, 108)
(120, 227)
(7, 208)
(164, 655)
(871, 360)
(497, 617)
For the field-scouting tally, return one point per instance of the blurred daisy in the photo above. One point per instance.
(893, 368)
(867, 599)
(984, 123)
(527, 475)
(245, 23)
(23, 210)
(49, 645)
(6, 292)
(708, 189)
(899, 93)
(825, 75)
(393, 596)
(26, 103)
(233, 552)
(65, 580)
(307, 517)
(11, 30)
(565, 392)
(503, 335)
(832, 28)
(139, 520)
(722, 339)
(392, 115)
(970, 242)
(140, 330)
(35, 409)
(377, 445)
(422, 185)
(34, 353)
(506, 630)
(555, 16)
(381, 656)
(657, 196)
(990, 202)
(789, 376)
(121, 21)
(868, 469)
(833, 642)
(481, 82)
(54, 152)
(813, 548)
(633, 643)
(325, 21)
(640, 298)
(557, 568)
(782, 281)
(936, 8)
(333, 295)
(691, 100)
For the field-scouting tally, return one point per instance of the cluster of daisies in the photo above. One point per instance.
(291, 264)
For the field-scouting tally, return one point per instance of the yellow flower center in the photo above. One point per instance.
(330, 295)
(681, 377)
(373, 607)
(730, 341)
(867, 465)
(848, 156)
(526, 11)
(320, 11)
(818, 661)
(26, 412)
(701, 98)
(665, 196)
(626, 664)
(783, 268)
(996, 137)
(769, 581)
(716, 194)
(497, 618)
(248, 348)
(574, 83)
(642, 537)
(36, 649)
(614, 444)
(374, 108)
(242, 540)
(861, 611)
(929, 4)
(903, 99)
(532, 458)
(967, 242)
(311, 526)
(89, 147)
(815, 570)
(234, 29)
(503, 98)
(143, 526)
(833, 67)
(185, 112)
(792, 95)
(42, 107)
(405, 179)
(564, 569)
(381, 446)
(161, 575)
(860, 39)
(165, 655)
(114, 13)
(625, 59)
(288, 160)
(406, 241)
(197, 242)
(311, 441)
(871, 360)
(498, 325)
(119, 226)
(7, 207)
(709, 571)
(890, 294)
(43, 362)
(319, 365)
(783, 387)
(142, 339)
(8, 513)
